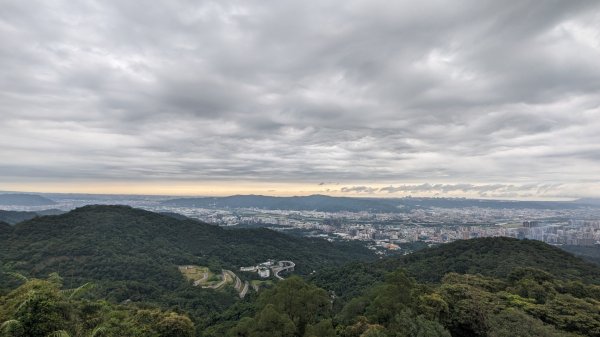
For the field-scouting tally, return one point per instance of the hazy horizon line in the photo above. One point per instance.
(354, 196)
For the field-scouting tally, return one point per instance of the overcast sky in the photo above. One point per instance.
(457, 98)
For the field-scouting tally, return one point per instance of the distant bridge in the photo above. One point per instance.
(283, 266)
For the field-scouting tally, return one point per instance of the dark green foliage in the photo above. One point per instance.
(527, 282)
(303, 303)
(477, 288)
(374, 331)
(14, 217)
(323, 328)
(5, 229)
(496, 257)
(397, 294)
(40, 313)
(272, 322)
(471, 306)
(406, 325)
(532, 283)
(398, 307)
(292, 305)
(351, 280)
(588, 253)
(132, 255)
(137, 252)
(461, 306)
(477, 310)
(467, 309)
(39, 308)
(174, 325)
(515, 323)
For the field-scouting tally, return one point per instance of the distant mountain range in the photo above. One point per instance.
(589, 201)
(312, 202)
(352, 204)
(18, 199)
(315, 202)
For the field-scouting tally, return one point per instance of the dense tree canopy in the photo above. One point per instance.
(41, 308)
(476, 288)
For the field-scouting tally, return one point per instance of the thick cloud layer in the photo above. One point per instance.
(361, 93)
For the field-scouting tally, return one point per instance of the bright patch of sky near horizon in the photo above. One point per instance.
(435, 98)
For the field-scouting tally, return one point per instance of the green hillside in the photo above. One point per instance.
(588, 253)
(143, 249)
(485, 287)
(5, 229)
(42, 308)
(493, 287)
(495, 257)
(14, 217)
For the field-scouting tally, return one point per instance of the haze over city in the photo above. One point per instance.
(351, 98)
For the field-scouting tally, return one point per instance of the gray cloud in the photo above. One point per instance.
(359, 189)
(484, 190)
(461, 95)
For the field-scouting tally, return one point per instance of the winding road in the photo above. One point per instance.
(283, 266)
(245, 290)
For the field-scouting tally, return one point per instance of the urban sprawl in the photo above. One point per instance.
(389, 231)
(433, 225)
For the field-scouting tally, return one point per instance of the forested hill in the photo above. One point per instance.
(494, 257)
(143, 249)
(588, 253)
(491, 287)
(5, 229)
(494, 287)
(14, 217)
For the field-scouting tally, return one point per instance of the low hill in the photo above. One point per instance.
(494, 257)
(589, 201)
(14, 217)
(588, 253)
(24, 200)
(142, 249)
(5, 228)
